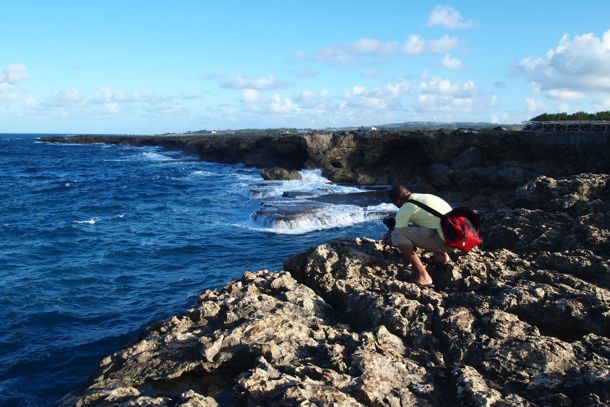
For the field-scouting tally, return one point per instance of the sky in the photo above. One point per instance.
(149, 67)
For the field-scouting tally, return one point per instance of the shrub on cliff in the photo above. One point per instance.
(578, 116)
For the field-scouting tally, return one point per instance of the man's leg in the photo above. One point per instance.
(423, 278)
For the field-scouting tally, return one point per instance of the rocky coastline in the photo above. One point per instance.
(523, 320)
(457, 164)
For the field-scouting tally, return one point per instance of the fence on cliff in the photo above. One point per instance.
(602, 126)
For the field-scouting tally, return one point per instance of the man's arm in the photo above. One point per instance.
(404, 215)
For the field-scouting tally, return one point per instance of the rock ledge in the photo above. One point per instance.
(523, 321)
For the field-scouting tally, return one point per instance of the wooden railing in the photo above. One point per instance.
(567, 125)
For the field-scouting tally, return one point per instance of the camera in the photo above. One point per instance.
(390, 222)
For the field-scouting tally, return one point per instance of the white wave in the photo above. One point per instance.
(121, 216)
(312, 182)
(202, 173)
(248, 177)
(91, 221)
(151, 155)
(383, 207)
(283, 220)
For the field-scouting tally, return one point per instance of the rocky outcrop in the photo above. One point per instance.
(524, 320)
(455, 163)
(277, 173)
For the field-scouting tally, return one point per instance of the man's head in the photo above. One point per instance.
(399, 194)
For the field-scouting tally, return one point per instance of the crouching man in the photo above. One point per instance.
(424, 233)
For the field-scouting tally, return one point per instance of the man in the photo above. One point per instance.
(425, 233)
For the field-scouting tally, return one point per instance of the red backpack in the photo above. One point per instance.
(460, 226)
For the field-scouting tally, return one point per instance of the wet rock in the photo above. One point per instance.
(277, 173)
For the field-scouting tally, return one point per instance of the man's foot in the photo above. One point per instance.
(423, 282)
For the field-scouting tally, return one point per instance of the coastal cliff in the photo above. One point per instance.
(522, 321)
(456, 164)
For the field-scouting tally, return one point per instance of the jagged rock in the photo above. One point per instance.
(471, 157)
(561, 194)
(277, 173)
(438, 174)
(523, 321)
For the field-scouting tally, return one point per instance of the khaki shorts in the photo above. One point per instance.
(416, 237)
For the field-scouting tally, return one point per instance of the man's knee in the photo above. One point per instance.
(400, 239)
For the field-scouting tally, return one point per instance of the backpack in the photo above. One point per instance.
(460, 226)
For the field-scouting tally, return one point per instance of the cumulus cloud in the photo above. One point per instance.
(283, 105)
(443, 95)
(452, 63)
(448, 17)
(356, 51)
(9, 77)
(250, 96)
(387, 97)
(415, 45)
(534, 105)
(576, 68)
(67, 97)
(13, 74)
(309, 99)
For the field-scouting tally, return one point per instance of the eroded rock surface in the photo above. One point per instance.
(522, 321)
(276, 173)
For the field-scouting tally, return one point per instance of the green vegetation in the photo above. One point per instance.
(578, 116)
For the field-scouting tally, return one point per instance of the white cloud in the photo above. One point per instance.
(352, 52)
(13, 74)
(31, 102)
(367, 46)
(245, 82)
(7, 92)
(452, 63)
(415, 45)
(309, 99)
(603, 104)
(67, 97)
(534, 105)
(387, 97)
(575, 69)
(493, 101)
(283, 105)
(448, 17)
(250, 96)
(443, 95)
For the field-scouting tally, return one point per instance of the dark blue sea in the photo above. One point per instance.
(99, 241)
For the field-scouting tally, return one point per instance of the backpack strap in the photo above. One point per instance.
(426, 208)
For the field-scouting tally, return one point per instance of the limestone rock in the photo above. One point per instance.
(523, 321)
(277, 173)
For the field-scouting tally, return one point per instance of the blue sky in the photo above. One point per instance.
(159, 66)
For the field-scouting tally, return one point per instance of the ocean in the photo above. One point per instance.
(99, 241)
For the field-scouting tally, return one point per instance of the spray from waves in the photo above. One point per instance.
(91, 221)
(312, 183)
(153, 156)
(304, 216)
